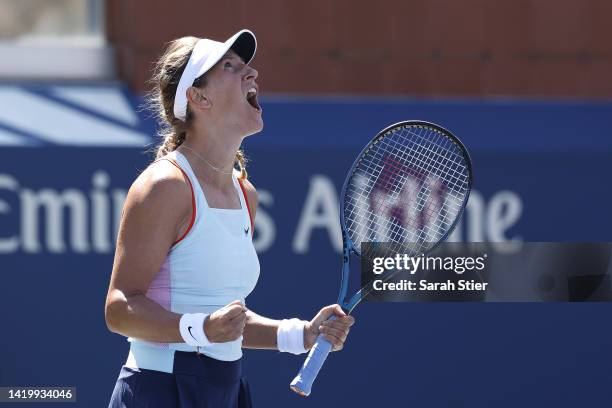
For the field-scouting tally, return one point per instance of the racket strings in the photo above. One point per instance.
(435, 156)
(406, 190)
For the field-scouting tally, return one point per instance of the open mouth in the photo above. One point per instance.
(252, 99)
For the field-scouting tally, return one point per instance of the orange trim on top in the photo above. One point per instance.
(246, 200)
(193, 200)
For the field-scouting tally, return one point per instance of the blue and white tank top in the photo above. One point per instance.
(211, 265)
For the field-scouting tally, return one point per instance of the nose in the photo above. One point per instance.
(251, 73)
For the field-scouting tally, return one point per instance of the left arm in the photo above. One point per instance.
(260, 332)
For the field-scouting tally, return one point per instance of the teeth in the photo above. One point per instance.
(252, 92)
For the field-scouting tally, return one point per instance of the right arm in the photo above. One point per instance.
(154, 213)
(157, 211)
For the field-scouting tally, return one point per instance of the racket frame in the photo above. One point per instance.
(348, 245)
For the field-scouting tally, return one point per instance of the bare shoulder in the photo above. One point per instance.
(160, 193)
(161, 182)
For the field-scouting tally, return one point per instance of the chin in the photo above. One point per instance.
(256, 128)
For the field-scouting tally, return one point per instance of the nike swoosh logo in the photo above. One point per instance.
(189, 329)
(246, 230)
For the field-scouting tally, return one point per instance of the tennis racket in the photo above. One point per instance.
(407, 188)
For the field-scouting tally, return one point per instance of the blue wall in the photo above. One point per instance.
(541, 173)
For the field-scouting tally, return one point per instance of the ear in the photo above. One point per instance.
(197, 98)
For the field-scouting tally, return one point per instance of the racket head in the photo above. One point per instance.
(412, 150)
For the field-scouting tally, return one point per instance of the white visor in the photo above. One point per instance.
(205, 55)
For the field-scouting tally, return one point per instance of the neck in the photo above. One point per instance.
(212, 155)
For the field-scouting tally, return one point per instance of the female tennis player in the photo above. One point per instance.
(185, 261)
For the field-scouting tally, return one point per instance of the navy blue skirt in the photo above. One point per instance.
(197, 381)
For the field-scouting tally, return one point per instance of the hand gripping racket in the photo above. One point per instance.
(407, 188)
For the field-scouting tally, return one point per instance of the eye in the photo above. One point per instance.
(227, 64)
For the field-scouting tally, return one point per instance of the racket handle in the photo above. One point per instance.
(302, 383)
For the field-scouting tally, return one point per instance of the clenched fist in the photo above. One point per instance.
(227, 323)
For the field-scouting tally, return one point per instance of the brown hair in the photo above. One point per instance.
(166, 76)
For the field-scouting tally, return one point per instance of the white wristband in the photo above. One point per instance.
(290, 336)
(192, 329)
